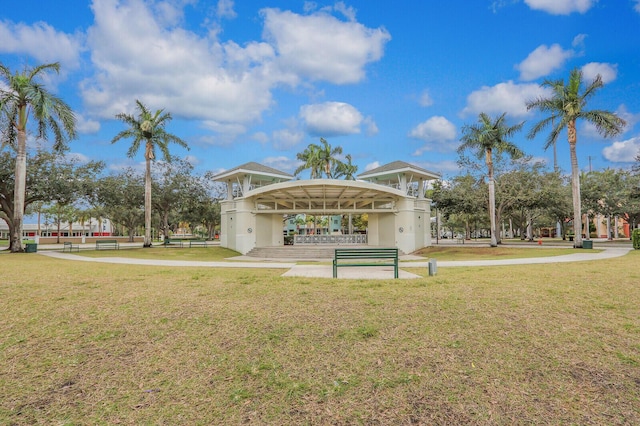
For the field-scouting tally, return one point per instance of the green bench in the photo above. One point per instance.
(169, 242)
(107, 244)
(70, 246)
(199, 242)
(365, 257)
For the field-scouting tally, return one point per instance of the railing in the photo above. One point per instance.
(331, 239)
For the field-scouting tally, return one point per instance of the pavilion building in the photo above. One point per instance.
(260, 198)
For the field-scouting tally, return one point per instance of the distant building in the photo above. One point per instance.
(91, 228)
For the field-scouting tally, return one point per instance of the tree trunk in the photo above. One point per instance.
(510, 228)
(19, 193)
(9, 221)
(147, 196)
(585, 225)
(575, 185)
(492, 199)
(165, 225)
(499, 229)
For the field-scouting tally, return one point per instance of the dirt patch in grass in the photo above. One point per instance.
(530, 344)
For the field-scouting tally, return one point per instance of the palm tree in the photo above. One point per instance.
(328, 157)
(149, 128)
(23, 97)
(319, 159)
(310, 160)
(347, 170)
(487, 137)
(565, 106)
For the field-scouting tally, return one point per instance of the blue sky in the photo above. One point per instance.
(260, 80)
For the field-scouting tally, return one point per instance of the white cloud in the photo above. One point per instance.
(503, 97)
(286, 138)
(192, 159)
(134, 56)
(561, 7)
(578, 42)
(623, 152)
(542, 61)
(425, 99)
(231, 130)
(371, 126)
(437, 131)
(224, 133)
(321, 47)
(260, 137)
(608, 72)
(281, 163)
(637, 6)
(170, 13)
(84, 125)
(42, 42)
(347, 11)
(331, 119)
(372, 166)
(440, 166)
(139, 52)
(78, 157)
(631, 118)
(225, 9)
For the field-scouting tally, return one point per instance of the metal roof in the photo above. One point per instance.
(258, 173)
(391, 171)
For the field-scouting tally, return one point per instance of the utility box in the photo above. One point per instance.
(30, 248)
(433, 267)
(587, 244)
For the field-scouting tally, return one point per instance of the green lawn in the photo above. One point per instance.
(468, 252)
(211, 254)
(471, 252)
(86, 343)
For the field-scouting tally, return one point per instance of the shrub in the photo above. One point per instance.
(635, 238)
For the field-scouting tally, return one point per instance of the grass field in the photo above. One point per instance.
(468, 252)
(86, 343)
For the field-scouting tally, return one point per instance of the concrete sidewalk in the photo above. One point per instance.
(326, 271)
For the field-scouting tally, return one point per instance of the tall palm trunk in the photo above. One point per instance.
(147, 195)
(19, 192)
(492, 198)
(575, 185)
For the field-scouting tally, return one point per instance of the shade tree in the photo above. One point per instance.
(120, 197)
(51, 178)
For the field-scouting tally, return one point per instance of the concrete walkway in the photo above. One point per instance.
(326, 271)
